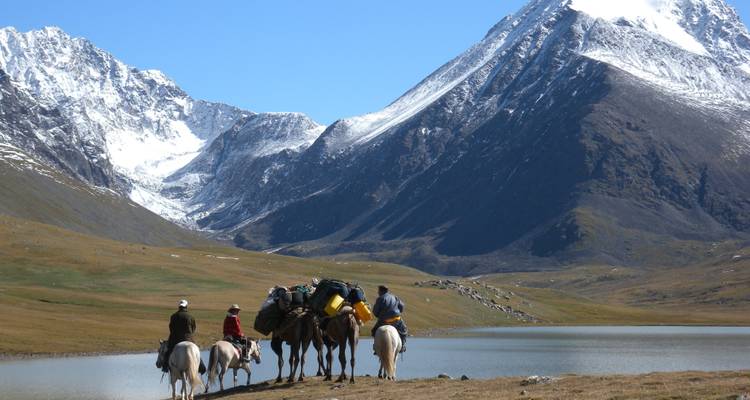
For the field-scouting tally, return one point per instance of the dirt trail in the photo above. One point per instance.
(681, 385)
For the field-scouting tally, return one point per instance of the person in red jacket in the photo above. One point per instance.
(233, 330)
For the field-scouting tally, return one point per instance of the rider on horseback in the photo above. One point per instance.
(233, 330)
(181, 328)
(387, 310)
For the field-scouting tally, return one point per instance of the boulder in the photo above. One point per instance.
(535, 380)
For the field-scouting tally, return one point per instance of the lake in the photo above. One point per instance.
(484, 353)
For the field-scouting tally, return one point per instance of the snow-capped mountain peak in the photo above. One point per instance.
(140, 120)
(138, 123)
(698, 48)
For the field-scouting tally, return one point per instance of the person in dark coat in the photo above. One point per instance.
(181, 329)
(388, 309)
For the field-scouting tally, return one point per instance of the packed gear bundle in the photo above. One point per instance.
(283, 305)
(331, 294)
(273, 310)
(328, 297)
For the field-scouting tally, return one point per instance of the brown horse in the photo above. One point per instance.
(342, 329)
(317, 340)
(298, 334)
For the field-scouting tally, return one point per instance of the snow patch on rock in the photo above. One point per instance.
(661, 17)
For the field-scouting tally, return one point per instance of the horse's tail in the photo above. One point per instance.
(213, 361)
(192, 371)
(386, 351)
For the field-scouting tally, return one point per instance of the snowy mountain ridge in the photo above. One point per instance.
(139, 121)
(694, 48)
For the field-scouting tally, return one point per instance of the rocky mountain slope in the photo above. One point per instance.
(573, 131)
(34, 191)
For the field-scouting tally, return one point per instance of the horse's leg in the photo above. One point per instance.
(183, 391)
(234, 377)
(380, 360)
(395, 358)
(246, 367)
(276, 346)
(192, 389)
(353, 351)
(319, 350)
(305, 346)
(222, 371)
(173, 379)
(329, 361)
(293, 360)
(342, 360)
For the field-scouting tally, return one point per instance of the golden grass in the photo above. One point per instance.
(711, 293)
(96, 295)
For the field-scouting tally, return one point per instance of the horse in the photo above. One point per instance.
(342, 329)
(183, 365)
(224, 355)
(298, 336)
(387, 346)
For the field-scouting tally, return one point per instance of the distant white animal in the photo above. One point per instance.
(387, 346)
(223, 356)
(183, 365)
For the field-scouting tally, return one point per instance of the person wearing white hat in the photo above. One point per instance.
(181, 328)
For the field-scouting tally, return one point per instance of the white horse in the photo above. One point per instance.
(183, 365)
(387, 346)
(224, 355)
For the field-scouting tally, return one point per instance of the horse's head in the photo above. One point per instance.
(162, 353)
(253, 350)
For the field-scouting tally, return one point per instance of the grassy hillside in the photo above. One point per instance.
(92, 294)
(97, 295)
(711, 292)
(32, 191)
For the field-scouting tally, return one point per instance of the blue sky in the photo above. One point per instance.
(329, 59)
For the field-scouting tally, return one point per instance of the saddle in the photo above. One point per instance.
(239, 344)
(240, 347)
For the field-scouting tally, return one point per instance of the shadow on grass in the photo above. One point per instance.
(266, 386)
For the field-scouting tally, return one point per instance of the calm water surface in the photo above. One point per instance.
(486, 353)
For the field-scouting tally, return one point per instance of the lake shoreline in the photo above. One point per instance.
(688, 385)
